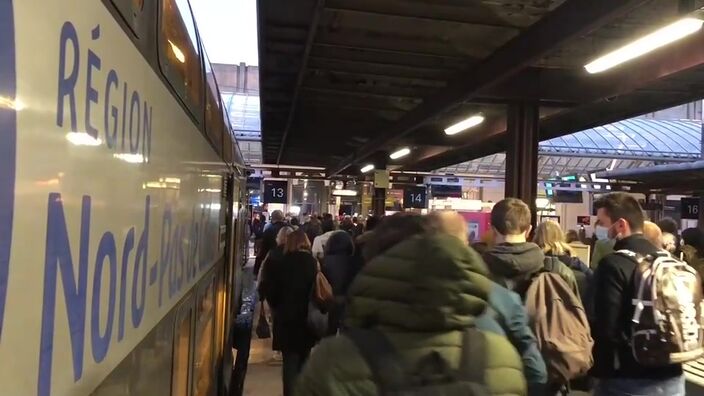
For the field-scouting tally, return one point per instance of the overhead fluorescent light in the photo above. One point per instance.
(82, 139)
(367, 168)
(596, 179)
(345, 193)
(659, 38)
(400, 153)
(465, 124)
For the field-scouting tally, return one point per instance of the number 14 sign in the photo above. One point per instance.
(276, 191)
(415, 197)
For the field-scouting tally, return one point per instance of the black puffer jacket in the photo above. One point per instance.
(340, 268)
(338, 262)
(291, 280)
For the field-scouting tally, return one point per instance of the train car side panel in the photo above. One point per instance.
(117, 205)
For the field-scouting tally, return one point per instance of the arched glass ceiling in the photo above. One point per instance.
(243, 110)
(637, 138)
(626, 144)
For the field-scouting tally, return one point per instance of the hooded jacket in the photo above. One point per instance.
(338, 263)
(514, 265)
(507, 311)
(340, 268)
(421, 294)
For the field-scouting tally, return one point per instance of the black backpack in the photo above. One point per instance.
(431, 376)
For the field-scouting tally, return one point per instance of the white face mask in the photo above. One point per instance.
(601, 232)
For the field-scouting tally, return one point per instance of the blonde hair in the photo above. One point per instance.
(282, 235)
(550, 237)
(652, 232)
(449, 222)
(297, 241)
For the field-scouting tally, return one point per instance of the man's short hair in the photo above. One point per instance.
(277, 216)
(511, 216)
(622, 206)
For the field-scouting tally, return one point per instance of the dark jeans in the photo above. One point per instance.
(292, 366)
(640, 387)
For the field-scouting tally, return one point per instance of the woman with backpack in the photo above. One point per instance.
(551, 239)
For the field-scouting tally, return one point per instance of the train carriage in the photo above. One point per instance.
(121, 202)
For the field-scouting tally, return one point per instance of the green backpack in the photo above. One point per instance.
(431, 376)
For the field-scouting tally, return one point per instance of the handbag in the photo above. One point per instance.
(263, 330)
(320, 299)
(322, 291)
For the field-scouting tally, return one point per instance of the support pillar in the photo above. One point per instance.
(379, 202)
(522, 154)
(700, 222)
(381, 183)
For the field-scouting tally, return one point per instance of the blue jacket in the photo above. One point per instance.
(506, 315)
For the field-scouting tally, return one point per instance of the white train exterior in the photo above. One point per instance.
(119, 198)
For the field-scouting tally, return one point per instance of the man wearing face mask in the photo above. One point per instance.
(614, 365)
(603, 245)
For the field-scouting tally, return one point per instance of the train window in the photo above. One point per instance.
(181, 357)
(213, 110)
(179, 55)
(203, 374)
(228, 138)
(131, 12)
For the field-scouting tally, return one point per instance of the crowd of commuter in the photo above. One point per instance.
(411, 308)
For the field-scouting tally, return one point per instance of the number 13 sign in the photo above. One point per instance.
(276, 191)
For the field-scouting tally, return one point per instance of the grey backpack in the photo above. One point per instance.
(666, 327)
(431, 376)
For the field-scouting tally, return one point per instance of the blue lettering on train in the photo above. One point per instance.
(132, 115)
(186, 250)
(182, 259)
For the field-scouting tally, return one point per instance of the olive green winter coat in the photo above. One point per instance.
(422, 293)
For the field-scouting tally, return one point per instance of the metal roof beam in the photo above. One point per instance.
(635, 157)
(389, 47)
(317, 12)
(474, 15)
(570, 20)
(614, 96)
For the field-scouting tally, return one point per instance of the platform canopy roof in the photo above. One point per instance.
(683, 178)
(345, 82)
(628, 144)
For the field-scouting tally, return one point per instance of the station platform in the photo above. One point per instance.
(263, 376)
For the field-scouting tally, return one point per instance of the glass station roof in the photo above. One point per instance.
(633, 143)
(244, 113)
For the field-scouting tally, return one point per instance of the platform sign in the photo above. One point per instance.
(690, 208)
(415, 197)
(275, 191)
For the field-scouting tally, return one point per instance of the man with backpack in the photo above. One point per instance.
(549, 292)
(513, 261)
(647, 313)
